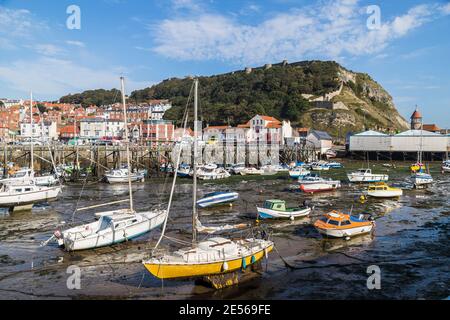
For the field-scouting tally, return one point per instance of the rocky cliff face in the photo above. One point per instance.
(361, 104)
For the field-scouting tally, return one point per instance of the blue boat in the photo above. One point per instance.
(217, 198)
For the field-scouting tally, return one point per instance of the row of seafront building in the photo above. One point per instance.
(64, 122)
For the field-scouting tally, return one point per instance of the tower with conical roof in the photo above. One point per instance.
(416, 120)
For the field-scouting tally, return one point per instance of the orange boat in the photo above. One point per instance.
(340, 225)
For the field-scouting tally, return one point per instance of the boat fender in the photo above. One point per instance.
(225, 266)
(291, 218)
(371, 218)
(266, 253)
(244, 263)
(253, 260)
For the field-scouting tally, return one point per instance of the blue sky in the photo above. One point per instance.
(149, 41)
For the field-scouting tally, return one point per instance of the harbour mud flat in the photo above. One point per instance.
(410, 244)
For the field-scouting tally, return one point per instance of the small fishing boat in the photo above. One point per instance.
(212, 173)
(334, 165)
(421, 180)
(340, 225)
(383, 190)
(251, 171)
(217, 198)
(277, 209)
(366, 175)
(298, 172)
(184, 171)
(121, 176)
(320, 186)
(237, 168)
(446, 166)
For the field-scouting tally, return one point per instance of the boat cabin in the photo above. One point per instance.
(364, 171)
(278, 205)
(379, 187)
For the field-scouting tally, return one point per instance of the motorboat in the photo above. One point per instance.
(184, 170)
(278, 209)
(121, 176)
(298, 172)
(251, 171)
(21, 195)
(421, 180)
(340, 225)
(334, 165)
(212, 173)
(237, 168)
(217, 198)
(366, 175)
(320, 186)
(383, 190)
(446, 166)
(27, 176)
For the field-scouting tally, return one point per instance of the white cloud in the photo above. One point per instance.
(446, 9)
(53, 77)
(328, 30)
(47, 49)
(76, 43)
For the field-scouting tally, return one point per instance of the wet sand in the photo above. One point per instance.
(410, 243)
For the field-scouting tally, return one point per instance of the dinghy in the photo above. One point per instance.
(340, 225)
(383, 190)
(277, 209)
(217, 198)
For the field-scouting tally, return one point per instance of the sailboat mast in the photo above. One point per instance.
(194, 165)
(127, 142)
(31, 134)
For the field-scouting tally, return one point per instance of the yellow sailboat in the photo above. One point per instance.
(212, 257)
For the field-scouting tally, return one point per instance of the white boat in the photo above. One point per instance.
(269, 170)
(217, 198)
(421, 180)
(366, 175)
(184, 170)
(27, 176)
(334, 165)
(121, 176)
(21, 195)
(237, 168)
(298, 172)
(110, 229)
(273, 209)
(310, 178)
(320, 167)
(446, 166)
(320, 186)
(113, 226)
(211, 173)
(251, 171)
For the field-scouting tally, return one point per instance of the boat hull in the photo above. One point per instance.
(174, 271)
(368, 179)
(115, 179)
(343, 233)
(319, 187)
(385, 194)
(264, 213)
(217, 200)
(26, 198)
(76, 242)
